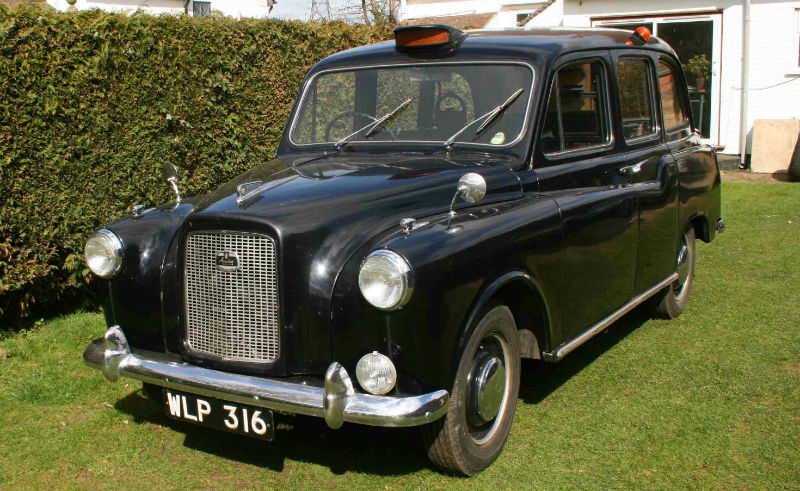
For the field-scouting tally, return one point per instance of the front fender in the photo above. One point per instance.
(454, 267)
(134, 297)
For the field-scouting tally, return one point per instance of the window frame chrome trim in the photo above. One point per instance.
(654, 104)
(308, 82)
(594, 149)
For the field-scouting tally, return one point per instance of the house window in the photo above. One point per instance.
(635, 97)
(522, 19)
(797, 38)
(577, 114)
(199, 9)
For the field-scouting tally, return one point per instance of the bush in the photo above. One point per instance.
(92, 104)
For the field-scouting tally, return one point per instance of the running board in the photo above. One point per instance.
(569, 346)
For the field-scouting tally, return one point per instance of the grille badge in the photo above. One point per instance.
(227, 261)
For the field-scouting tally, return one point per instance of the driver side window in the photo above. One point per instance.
(577, 114)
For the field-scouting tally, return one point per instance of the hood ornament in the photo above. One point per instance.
(170, 173)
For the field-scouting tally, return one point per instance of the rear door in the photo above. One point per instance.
(578, 162)
(650, 170)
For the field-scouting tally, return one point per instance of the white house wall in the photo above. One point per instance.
(773, 54)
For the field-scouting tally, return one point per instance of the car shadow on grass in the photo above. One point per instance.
(540, 379)
(352, 448)
(357, 448)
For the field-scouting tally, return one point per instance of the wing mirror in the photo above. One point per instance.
(170, 174)
(471, 188)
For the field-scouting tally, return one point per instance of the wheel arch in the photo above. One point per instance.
(523, 295)
(701, 227)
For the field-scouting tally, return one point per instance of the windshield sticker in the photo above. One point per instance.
(499, 138)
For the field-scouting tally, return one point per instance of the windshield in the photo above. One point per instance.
(444, 98)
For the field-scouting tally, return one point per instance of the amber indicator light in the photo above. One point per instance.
(640, 36)
(421, 37)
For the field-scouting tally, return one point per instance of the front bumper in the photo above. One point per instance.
(337, 401)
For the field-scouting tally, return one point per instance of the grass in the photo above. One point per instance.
(708, 401)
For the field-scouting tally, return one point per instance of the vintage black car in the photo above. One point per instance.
(440, 207)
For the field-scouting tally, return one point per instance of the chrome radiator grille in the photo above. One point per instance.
(231, 283)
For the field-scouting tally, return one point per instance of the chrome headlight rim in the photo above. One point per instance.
(115, 248)
(404, 270)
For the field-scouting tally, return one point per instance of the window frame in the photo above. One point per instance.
(795, 66)
(600, 57)
(688, 124)
(655, 99)
(204, 2)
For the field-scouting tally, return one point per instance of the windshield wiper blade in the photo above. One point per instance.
(489, 117)
(375, 124)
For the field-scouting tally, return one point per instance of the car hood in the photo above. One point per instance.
(324, 211)
(322, 208)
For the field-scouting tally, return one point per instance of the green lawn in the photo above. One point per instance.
(708, 401)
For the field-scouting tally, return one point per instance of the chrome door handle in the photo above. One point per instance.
(631, 169)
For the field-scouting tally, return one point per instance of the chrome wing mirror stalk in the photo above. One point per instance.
(170, 173)
(471, 188)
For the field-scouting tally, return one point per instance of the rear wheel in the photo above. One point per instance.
(472, 434)
(672, 301)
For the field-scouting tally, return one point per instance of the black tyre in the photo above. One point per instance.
(152, 392)
(672, 301)
(794, 165)
(475, 428)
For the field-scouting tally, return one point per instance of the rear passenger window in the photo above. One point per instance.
(635, 98)
(577, 113)
(671, 101)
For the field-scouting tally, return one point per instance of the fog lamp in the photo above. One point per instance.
(376, 373)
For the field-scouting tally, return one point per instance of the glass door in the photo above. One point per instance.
(697, 41)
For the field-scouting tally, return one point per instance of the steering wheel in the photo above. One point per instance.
(451, 95)
(351, 114)
(439, 112)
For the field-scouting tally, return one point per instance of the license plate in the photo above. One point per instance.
(237, 418)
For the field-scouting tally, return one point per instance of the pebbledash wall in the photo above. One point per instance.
(774, 46)
(254, 9)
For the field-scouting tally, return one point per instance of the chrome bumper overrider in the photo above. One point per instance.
(337, 401)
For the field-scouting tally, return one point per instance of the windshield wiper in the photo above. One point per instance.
(373, 126)
(490, 118)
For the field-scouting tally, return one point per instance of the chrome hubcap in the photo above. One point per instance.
(487, 388)
(684, 267)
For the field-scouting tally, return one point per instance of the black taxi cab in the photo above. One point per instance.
(440, 206)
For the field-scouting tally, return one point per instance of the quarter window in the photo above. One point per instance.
(671, 101)
(577, 113)
(635, 97)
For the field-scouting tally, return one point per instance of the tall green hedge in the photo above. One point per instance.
(91, 105)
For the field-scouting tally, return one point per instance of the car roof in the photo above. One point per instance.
(536, 46)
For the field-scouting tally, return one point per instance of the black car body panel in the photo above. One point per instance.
(567, 238)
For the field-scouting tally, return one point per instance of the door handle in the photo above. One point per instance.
(631, 169)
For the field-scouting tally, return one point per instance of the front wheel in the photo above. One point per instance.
(472, 434)
(672, 301)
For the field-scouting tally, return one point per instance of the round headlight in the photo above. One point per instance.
(385, 280)
(103, 253)
(376, 373)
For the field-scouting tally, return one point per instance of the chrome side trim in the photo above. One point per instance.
(336, 402)
(569, 346)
